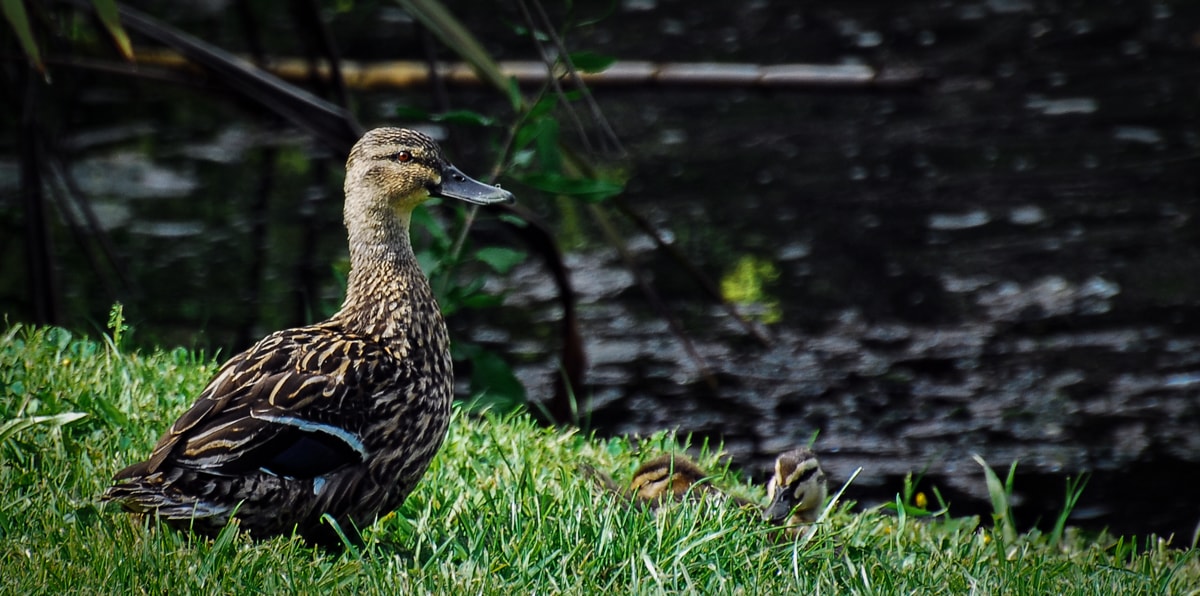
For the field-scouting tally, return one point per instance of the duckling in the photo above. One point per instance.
(669, 477)
(796, 491)
(341, 417)
(666, 478)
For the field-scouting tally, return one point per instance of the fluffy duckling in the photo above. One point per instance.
(666, 478)
(669, 477)
(341, 417)
(796, 490)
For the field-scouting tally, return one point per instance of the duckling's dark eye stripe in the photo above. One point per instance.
(804, 475)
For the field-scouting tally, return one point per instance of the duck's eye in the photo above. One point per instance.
(401, 157)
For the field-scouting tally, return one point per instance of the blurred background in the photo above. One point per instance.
(975, 233)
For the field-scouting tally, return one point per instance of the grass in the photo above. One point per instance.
(502, 510)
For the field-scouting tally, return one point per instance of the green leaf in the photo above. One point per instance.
(423, 219)
(480, 301)
(513, 220)
(544, 106)
(587, 61)
(464, 117)
(500, 259)
(428, 262)
(469, 289)
(912, 510)
(411, 113)
(1001, 504)
(1074, 490)
(110, 18)
(545, 132)
(117, 328)
(452, 117)
(439, 20)
(16, 425)
(522, 159)
(549, 151)
(588, 189)
(14, 11)
(493, 381)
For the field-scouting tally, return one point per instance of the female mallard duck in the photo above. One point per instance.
(796, 490)
(339, 418)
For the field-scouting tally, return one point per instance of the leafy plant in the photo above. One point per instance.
(910, 501)
(117, 328)
(534, 154)
(18, 20)
(1001, 496)
(1074, 490)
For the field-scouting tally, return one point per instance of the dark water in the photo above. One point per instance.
(1003, 260)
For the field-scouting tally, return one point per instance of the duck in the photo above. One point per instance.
(669, 477)
(664, 479)
(336, 420)
(796, 490)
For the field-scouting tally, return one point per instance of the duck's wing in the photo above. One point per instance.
(281, 407)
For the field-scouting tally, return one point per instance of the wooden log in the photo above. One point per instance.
(399, 74)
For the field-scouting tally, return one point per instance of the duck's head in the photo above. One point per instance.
(797, 489)
(665, 477)
(396, 169)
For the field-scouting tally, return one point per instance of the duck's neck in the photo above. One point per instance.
(386, 291)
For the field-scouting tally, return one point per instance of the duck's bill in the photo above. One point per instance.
(457, 185)
(778, 511)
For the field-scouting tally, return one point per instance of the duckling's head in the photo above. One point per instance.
(797, 489)
(665, 477)
(392, 170)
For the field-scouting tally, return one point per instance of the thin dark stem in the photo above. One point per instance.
(259, 202)
(551, 78)
(609, 135)
(258, 243)
(250, 28)
(437, 84)
(39, 251)
(81, 236)
(307, 304)
(601, 218)
(701, 278)
(94, 229)
(319, 44)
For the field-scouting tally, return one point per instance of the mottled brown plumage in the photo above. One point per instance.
(667, 478)
(664, 479)
(796, 490)
(341, 417)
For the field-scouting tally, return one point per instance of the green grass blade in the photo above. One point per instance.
(501, 510)
(18, 19)
(1001, 508)
(110, 18)
(442, 23)
(1074, 491)
(11, 427)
